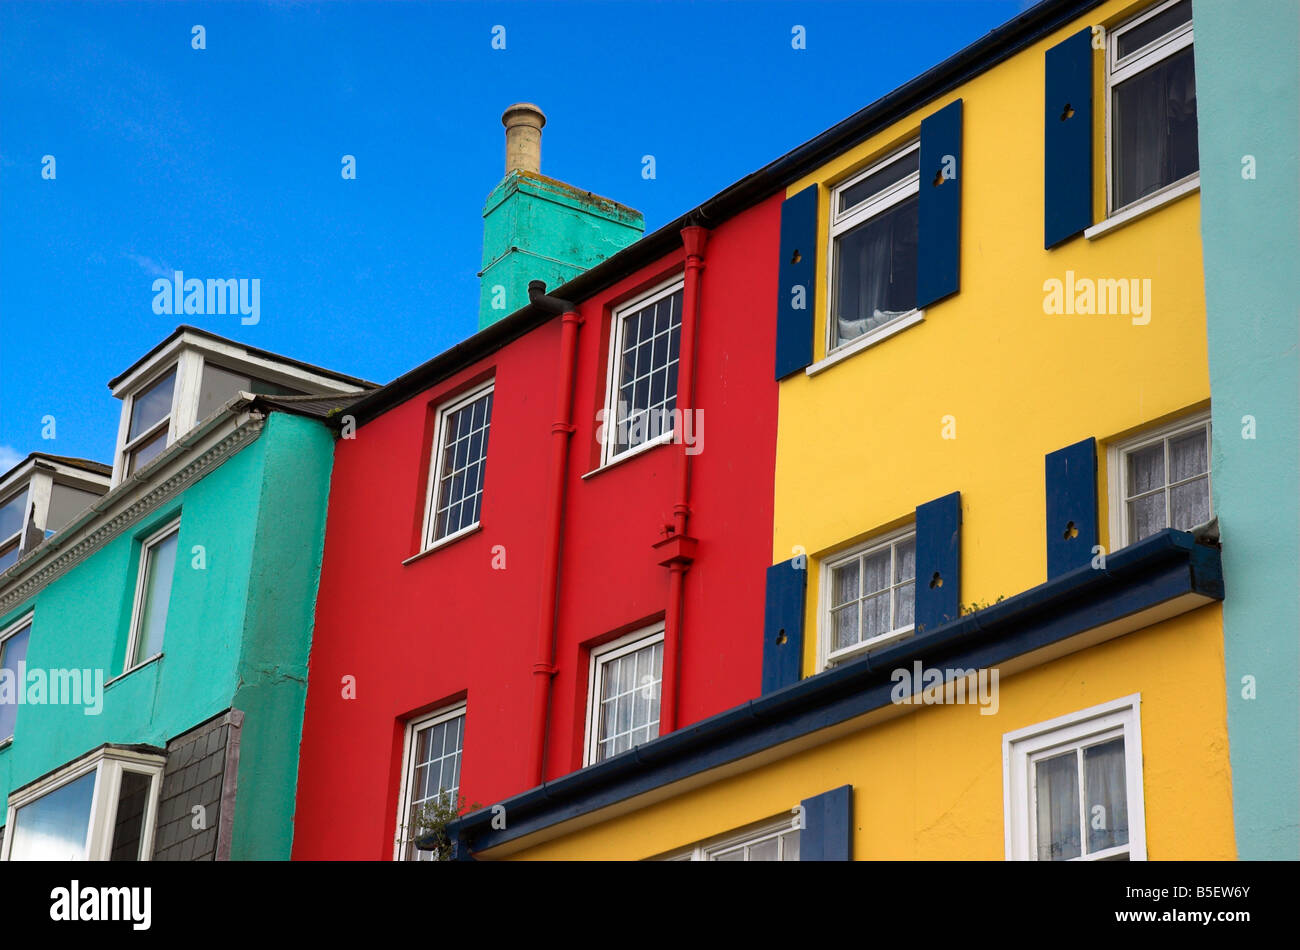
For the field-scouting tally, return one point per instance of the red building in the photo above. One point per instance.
(513, 584)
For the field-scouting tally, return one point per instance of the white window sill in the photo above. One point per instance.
(662, 439)
(866, 340)
(443, 542)
(1141, 209)
(139, 666)
(866, 646)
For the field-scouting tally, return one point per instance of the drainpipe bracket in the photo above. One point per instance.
(677, 549)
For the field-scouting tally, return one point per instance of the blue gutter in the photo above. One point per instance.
(1151, 572)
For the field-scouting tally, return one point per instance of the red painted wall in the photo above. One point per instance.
(449, 626)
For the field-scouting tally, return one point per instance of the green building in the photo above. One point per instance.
(154, 643)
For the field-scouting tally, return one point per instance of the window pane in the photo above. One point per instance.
(905, 560)
(1155, 128)
(11, 515)
(463, 456)
(875, 267)
(876, 571)
(146, 453)
(1188, 456)
(845, 624)
(905, 605)
(66, 503)
(1189, 504)
(1146, 516)
(629, 693)
(12, 652)
(765, 850)
(151, 406)
(647, 380)
(891, 174)
(128, 825)
(54, 827)
(844, 583)
(1107, 815)
(1146, 469)
(790, 846)
(1058, 807)
(160, 566)
(1132, 40)
(875, 616)
(9, 555)
(219, 386)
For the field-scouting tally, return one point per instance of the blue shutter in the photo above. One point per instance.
(827, 833)
(787, 584)
(1067, 140)
(938, 562)
(939, 206)
(1071, 506)
(796, 275)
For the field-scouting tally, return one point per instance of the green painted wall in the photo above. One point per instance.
(537, 228)
(288, 541)
(1248, 104)
(238, 630)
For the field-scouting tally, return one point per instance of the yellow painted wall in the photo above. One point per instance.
(859, 445)
(928, 785)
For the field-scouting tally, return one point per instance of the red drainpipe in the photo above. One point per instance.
(677, 550)
(561, 430)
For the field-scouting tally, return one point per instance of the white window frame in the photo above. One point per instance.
(844, 221)
(167, 423)
(27, 619)
(1021, 748)
(1117, 71)
(108, 764)
(445, 411)
(1117, 470)
(142, 571)
(21, 534)
(709, 849)
(612, 378)
(826, 657)
(601, 656)
(413, 728)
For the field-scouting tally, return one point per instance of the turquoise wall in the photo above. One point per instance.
(1248, 103)
(280, 610)
(238, 630)
(537, 228)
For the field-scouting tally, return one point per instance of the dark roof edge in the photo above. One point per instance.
(992, 48)
(86, 465)
(1142, 575)
(253, 350)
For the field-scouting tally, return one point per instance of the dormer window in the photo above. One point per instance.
(189, 378)
(151, 413)
(42, 495)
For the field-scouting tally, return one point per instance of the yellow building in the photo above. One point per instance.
(993, 448)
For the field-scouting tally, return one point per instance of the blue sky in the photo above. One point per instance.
(225, 162)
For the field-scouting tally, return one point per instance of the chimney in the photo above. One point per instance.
(523, 122)
(537, 228)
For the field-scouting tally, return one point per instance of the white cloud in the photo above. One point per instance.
(150, 266)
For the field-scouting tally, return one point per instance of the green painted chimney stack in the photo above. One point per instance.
(537, 228)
